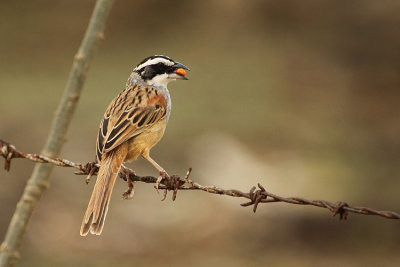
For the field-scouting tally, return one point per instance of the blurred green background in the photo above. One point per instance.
(301, 96)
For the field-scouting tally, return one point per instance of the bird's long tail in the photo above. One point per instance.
(96, 212)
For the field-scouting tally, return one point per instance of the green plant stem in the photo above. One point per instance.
(39, 181)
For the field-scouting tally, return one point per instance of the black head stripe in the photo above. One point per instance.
(148, 72)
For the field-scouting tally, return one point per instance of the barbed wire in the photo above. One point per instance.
(175, 183)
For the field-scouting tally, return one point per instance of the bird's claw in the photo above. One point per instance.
(163, 175)
(128, 194)
(92, 169)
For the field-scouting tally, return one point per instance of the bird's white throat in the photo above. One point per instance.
(160, 80)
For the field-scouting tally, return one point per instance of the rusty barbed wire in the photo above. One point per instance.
(175, 183)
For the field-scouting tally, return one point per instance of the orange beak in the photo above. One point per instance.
(181, 72)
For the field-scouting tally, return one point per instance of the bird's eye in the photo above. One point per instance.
(159, 64)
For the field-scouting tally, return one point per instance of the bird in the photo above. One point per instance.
(132, 124)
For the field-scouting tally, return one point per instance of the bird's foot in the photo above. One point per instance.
(173, 183)
(92, 169)
(128, 194)
(163, 175)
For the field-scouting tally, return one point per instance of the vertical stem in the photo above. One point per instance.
(39, 181)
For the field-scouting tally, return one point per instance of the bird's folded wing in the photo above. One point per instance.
(128, 115)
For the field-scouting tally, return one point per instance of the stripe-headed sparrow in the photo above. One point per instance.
(132, 124)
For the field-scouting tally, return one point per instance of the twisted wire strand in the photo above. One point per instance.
(175, 183)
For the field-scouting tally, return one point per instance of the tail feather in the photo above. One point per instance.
(96, 212)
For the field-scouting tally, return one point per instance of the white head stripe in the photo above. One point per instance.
(155, 61)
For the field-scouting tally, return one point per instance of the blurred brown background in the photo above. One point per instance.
(302, 96)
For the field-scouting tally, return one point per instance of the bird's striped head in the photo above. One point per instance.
(160, 70)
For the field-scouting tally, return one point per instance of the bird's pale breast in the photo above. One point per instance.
(142, 143)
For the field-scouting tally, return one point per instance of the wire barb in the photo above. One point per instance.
(175, 183)
(341, 211)
(255, 197)
(7, 151)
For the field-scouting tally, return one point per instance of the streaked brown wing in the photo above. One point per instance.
(130, 113)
